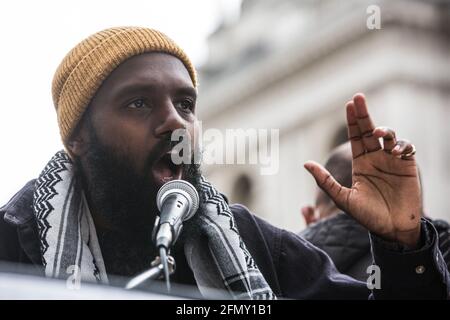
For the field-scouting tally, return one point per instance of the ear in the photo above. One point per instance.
(308, 213)
(79, 141)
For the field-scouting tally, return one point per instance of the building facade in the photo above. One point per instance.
(292, 65)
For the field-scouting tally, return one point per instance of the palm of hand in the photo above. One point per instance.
(385, 194)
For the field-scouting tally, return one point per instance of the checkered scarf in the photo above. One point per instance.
(69, 245)
(68, 240)
(216, 253)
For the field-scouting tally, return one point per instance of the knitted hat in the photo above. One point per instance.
(86, 66)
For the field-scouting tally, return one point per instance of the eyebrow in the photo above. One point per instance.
(189, 91)
(136, 87)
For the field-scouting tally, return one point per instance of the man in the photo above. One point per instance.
(119, 96)
(339, 165)
(338, 234)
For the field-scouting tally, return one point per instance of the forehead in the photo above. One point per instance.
(148, 69)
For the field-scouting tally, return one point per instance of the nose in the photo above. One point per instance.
(170, 120)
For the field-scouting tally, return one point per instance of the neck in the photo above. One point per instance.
(329, 212)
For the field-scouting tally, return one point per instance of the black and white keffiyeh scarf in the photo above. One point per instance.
(68, 240)
(216, 253)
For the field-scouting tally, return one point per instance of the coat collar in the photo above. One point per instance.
(18, 212)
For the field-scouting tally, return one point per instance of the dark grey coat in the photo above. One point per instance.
(293, 267)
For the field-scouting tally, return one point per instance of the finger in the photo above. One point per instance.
(388, 135)
(365, 124)
(402, 147)
(354, 135)
(405, 149)
(409, 153)
(328, 184)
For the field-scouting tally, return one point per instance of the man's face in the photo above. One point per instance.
(130, 122)
(138, 107)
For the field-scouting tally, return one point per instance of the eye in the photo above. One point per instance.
(138, 104)
(187, 105)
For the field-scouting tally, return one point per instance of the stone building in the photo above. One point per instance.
(292, 65)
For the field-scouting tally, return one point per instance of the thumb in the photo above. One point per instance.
(328, 184)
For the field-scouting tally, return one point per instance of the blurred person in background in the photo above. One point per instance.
(345, 240)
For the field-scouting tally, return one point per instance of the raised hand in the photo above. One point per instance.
(385, 193)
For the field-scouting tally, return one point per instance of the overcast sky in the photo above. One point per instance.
(36, 35)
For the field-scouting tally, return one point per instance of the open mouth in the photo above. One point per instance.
(165, 170)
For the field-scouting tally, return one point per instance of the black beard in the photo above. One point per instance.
(124, 202)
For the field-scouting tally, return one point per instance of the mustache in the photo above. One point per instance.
(191, 172)
(164, 145)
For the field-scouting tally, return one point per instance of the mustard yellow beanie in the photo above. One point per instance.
(86, 66)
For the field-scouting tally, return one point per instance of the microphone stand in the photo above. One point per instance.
(162, 264)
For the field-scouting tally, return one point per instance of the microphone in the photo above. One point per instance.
(177, 201)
